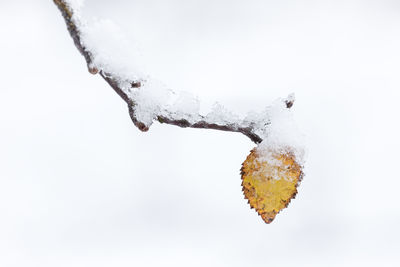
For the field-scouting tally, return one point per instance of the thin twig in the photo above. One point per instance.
(74, 31)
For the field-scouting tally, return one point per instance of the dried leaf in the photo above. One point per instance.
(269, 181)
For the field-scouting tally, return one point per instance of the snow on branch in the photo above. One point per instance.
(273, 170)
(150, 100)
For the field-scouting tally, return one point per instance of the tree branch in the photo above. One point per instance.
(246, 127)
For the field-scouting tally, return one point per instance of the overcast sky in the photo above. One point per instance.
(81, 186)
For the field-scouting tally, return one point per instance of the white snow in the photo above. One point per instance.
(113, 54)
(76, 5)
(282, 134)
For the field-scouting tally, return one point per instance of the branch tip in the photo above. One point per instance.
(289, 101)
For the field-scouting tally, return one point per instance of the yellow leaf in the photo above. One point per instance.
(269, 181)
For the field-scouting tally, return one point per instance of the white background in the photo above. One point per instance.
(81, 186)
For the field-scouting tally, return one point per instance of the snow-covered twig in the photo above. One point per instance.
(144, 108)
